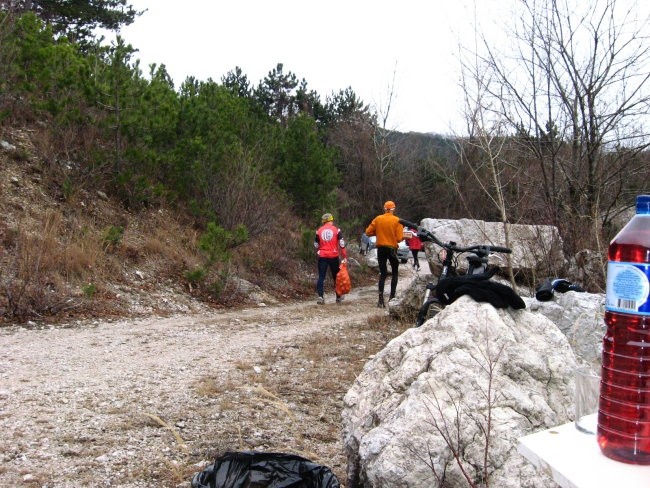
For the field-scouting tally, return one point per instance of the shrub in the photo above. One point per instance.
(306, 251)
(112, 236)
(217, 241)
(89, 290)
(195, 275)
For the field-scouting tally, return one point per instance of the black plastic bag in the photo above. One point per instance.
(252, 469)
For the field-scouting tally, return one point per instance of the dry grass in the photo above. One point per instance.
(294, 404)
(80, 257)
(162, 423)
(50, 257)
(207, 387)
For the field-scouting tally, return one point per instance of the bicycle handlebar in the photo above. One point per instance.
(505, 250)
(423, 233)
(429, 236)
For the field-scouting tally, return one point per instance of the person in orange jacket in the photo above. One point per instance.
(389, 232)
(328, 243)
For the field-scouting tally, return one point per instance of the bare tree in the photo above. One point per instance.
(382, 145)
(354, 140)
(240, 192)
(384, 142)
(484, 152)
(573, 88)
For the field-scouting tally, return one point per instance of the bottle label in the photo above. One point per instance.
(628, 287)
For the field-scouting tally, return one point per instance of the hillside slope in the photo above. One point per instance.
(71, 250)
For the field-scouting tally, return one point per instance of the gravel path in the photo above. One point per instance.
(130, 403)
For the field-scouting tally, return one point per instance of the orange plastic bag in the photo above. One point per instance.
(343, 284)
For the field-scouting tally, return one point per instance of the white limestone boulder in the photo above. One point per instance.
(580, 317)
(536, 249)
(436, 380)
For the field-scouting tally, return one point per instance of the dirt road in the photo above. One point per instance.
(149, 402)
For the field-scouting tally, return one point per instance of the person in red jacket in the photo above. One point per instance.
(415, 245)
(389, 233)
(329, 243)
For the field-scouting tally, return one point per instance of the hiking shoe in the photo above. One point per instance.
(339, 299)
(320, 301)
(380, 303)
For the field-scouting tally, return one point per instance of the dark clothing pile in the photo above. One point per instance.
(480, 288)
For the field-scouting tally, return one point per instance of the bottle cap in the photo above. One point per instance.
(643, 205)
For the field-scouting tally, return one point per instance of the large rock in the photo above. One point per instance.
(536, 249)
(439, 388)
(579, 316)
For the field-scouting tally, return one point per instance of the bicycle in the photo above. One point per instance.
(478, 268)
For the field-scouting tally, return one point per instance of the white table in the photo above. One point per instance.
(574, 460)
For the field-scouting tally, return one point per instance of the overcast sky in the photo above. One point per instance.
(333, 44)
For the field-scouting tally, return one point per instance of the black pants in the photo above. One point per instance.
(323, 265)
(416, 261)
(389, 254)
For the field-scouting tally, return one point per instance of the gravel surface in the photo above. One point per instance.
(149, 402)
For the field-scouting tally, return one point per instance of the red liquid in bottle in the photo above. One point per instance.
(624, 408)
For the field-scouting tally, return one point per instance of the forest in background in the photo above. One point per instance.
(564, 142)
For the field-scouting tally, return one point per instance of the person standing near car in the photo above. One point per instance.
(415, 245)
(329, 243)
(388, 232)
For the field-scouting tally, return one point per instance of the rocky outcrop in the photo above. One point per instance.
(537, 249)
(579, 316)
(425, 408)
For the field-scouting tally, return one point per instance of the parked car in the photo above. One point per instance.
(368, 244)
(403, 252)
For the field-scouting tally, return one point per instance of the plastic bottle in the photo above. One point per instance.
(624, 408)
